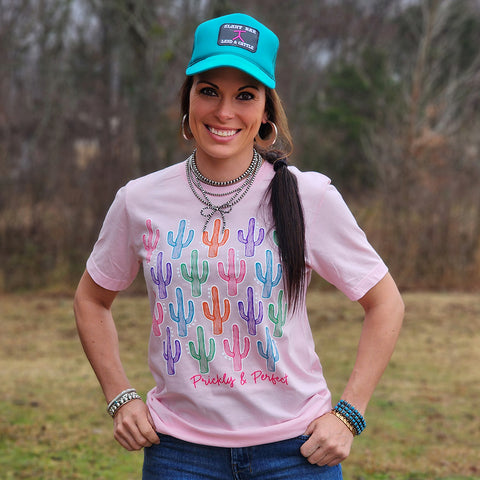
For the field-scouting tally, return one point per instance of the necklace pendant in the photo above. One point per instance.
(196, 179)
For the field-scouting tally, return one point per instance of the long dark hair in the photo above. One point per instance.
(282, 194)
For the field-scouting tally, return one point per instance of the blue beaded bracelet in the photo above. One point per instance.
(351, 415)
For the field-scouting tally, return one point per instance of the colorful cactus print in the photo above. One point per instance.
(249, 238)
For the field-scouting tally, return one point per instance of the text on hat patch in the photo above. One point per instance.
(231, 35)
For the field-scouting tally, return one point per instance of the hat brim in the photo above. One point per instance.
(234, 61)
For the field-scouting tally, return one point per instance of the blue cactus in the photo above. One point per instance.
(180, 317)
(178, 244)
(270, 353)
(268, 281)
(159, 279)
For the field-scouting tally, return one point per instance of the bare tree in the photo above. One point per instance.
(89, 99)
(426, 150)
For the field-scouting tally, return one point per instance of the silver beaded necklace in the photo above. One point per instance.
(196, 179)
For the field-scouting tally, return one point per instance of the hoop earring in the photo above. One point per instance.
(184, 131)
(269, 139)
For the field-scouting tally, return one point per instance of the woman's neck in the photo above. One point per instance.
(220, 169)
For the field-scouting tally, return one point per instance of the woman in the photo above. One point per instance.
(228, 240)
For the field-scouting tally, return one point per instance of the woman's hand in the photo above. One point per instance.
(133, 426)
(329, 443)
(330, 439)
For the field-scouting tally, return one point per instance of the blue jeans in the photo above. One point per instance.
(174, 459)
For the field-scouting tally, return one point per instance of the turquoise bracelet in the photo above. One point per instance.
(351, 415)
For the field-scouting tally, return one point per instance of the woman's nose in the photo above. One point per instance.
(225, 109)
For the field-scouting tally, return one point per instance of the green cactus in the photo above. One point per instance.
(194, 277)
(279, 319)
(201, 356)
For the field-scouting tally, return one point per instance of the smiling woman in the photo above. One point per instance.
(226, 109)
(228, 240)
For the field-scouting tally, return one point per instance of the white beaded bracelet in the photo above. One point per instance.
(121, 399)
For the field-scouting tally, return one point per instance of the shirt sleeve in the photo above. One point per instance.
(113, 263)
(337, 248)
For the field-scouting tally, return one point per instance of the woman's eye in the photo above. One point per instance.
(209, 91)
(245, 96)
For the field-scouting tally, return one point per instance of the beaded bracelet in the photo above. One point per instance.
(121, 399)
(345, 422)
(350, 416)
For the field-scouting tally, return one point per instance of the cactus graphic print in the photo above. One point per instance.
(213, 292)
(232, 365)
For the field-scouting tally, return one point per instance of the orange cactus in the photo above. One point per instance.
(215, 316)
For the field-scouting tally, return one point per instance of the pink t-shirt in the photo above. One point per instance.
(232, 366)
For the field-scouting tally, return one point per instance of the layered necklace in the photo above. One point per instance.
(197, 183)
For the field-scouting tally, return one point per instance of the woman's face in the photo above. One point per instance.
(227, 107)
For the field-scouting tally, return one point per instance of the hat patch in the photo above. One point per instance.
(233, 35)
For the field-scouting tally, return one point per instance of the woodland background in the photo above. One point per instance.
(382, 95)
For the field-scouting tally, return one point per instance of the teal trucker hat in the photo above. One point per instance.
(237, 41)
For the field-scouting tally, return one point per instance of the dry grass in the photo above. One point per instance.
(423, 419)
(423, 422)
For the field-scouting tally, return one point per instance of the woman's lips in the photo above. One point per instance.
(222, 132)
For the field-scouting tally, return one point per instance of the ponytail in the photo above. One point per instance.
(287, 213)
(285, 204)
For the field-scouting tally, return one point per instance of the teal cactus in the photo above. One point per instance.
(178, 244)
(268, 281)
(270, 353)
(180, 317)
(194, 277)
(201, 355)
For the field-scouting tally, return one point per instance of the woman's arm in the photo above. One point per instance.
(330, 440)
(133, 425)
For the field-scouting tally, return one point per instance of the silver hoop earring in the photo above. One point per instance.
(271, 138)
(184, 132)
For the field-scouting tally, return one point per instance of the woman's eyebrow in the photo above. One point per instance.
(217, 87)
(209, 83)
(249, 86)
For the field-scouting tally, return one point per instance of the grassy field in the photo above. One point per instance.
(423, 422)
